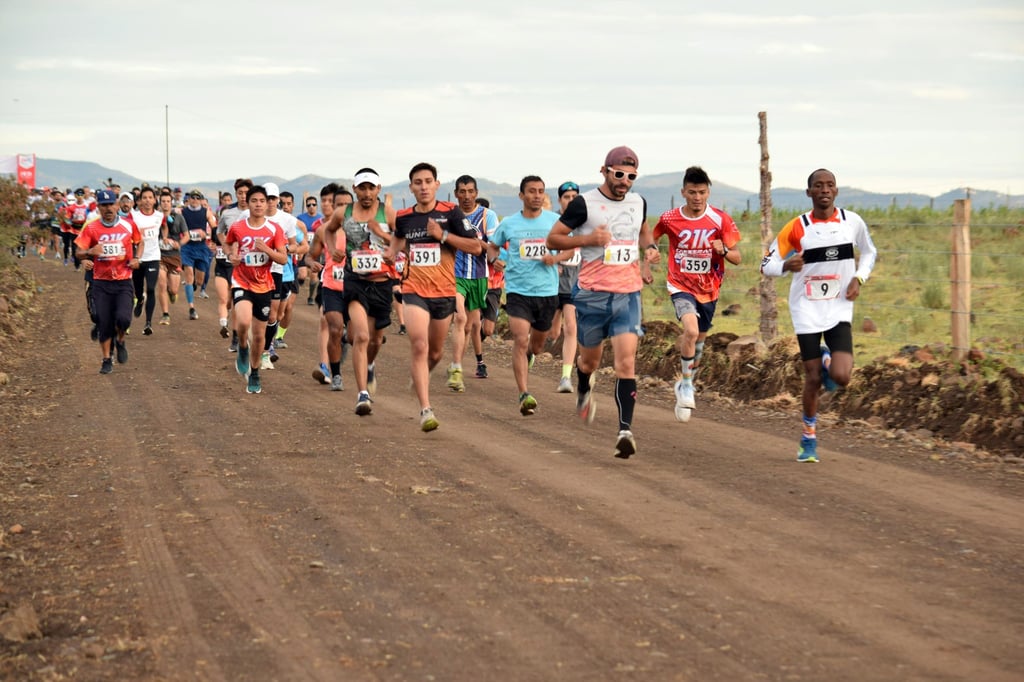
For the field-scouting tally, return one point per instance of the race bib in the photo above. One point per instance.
(255, 259)
(195, 235)
(696, 264)
(151, 233)
(532, 249)
(220, 254)
(338, 273)
(112, 250)
(621, 253)
(366, 262)
(575, 260)
(425, 255)
(821, 287)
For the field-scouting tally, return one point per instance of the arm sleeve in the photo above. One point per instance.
(781, 249)
(576, 213)
(868, 252)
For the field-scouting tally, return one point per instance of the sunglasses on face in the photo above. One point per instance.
(618, 175)
(311, 204)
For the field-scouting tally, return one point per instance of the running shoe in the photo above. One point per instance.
(172, 297)
(274, 357)
(138, 307)
(242, 362)
(401, 330)
(428, 422)
(147, 330)
(808, 451)
(254, 385)
(336, 384)
(107, 367)
(165, 319)
(527, 404)
(309, 301)
(322, 374)
(586, 408)
(203, 294)
(345, 346)
(193, 314)
(280, 344)
(827, 381)
(371, 379)
(455, 380)
(122, 352)
(265, 362)
(625, 445)
(224, 332)
(363, 404)
(565, 385)
(530, 357)
(481, 370)
(94, 333)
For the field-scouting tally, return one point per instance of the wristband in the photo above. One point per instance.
(861, 280)
(444, 236)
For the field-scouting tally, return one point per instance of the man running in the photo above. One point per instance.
(329, 247)
(818, 248)
(609, 224)
(194, 253)
(531, 281)
(253, 244)
(470, 286)
(432, 230)
(109, 247)
(701, 239)
(222, 268)
(565, 317)
(367, 292)
(169, 280)
(145, 277)
(288, 225)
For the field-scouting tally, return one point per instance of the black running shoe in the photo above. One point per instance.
(122, 352)
(107, 367)
(147, 330)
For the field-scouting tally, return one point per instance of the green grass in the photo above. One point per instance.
(908, 295)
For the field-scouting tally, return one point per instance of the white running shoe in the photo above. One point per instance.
(565, 385)
(265, 362)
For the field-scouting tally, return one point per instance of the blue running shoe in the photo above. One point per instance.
(808, 451)
(254, 385)
(242, 362)
(371, 379)
(826, 359)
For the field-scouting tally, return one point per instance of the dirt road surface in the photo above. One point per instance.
(164, 525)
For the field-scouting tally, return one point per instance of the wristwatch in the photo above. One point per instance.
(725, 250)
(444, 236)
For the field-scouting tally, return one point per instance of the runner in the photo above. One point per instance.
(287, 223)
(194, 252)
(146, 276)
(531, 281)
(169, 279)
(109, 246)
(470, 286)
(253, 244)
(74, 216)
(322, 373)
(701, 238)
(295, 272)
(367, 291)
(330, 247)
(310, 216)
(229, 215)
(818, 248)
(609, 223)
(565, 317)
(432, 230)
(495, 285)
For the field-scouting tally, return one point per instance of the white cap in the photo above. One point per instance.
(365, 177)
(126, 194)
(272, 189)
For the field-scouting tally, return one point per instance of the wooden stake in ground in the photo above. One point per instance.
(960, 278)
(769, 326)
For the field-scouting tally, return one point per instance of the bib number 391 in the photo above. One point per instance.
(425, 255)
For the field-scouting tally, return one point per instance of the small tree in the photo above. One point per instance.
(769, 327)
(14, 214)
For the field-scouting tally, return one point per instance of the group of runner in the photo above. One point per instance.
(444, 267)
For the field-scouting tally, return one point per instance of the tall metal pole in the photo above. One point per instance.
(167, 145)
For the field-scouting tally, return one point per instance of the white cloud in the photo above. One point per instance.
(941, 93)
(791, 48)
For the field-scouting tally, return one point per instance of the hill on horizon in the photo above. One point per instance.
(661, 190)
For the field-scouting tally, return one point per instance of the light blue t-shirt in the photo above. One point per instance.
(525, 272)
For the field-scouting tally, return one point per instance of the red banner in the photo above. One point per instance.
(27, 170)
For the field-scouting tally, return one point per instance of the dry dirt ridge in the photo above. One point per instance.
(160, 524)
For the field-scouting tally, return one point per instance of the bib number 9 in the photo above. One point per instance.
(822, 287)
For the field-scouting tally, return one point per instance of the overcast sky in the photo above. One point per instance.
(893, 96)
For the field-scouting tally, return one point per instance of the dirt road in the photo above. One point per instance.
(165, 525)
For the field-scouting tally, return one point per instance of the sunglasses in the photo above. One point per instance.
(618, 175)
(312, 203)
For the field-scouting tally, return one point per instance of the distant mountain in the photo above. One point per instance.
(661, 190)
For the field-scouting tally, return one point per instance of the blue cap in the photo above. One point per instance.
(106, 196)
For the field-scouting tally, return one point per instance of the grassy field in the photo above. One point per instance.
(908, 295)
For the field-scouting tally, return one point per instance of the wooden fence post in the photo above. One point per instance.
(769, 324)
(960, 278)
